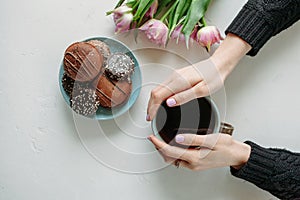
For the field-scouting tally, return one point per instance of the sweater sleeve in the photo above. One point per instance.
(274, 170)
(259, 20)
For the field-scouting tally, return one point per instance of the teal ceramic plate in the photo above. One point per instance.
(105, 113)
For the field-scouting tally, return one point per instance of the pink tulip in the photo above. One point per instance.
(156, 31)
(122, 17)
(194, 33)
(152, 10)
(208, 36)
(177, 34)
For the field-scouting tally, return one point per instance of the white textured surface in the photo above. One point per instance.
(41, 155)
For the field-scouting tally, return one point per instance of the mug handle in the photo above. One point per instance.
(226, 128)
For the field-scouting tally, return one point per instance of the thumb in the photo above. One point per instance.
(199, 90)
(190, 139)
(207, 141)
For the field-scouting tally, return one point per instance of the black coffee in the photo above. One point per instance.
(196, 117)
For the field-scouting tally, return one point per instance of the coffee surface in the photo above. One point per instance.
(196, 117)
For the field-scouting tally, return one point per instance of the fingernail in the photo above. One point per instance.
(179, 138)
(149, 138)
(171, 102)
(148, 117)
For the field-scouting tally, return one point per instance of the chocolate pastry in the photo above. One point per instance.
(84, 100)
(67, 84)
(110, 92)
(82, 61)
(71, 86)
(119, 67)
(102, 47)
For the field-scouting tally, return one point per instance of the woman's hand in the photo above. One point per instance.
(200, 79)
(186, 84)
(216, 150)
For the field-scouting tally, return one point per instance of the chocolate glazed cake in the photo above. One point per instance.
(101, 47)
(82, 61)
(111, 92)
(120, 67)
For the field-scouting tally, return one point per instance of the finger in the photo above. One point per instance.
(162, 93)
(207, 141)
(171, 151)
(210, 74)
(185, 79)
(158, 95)
(177, 83)
(166, 82)
(197, 91)
(190, 139)
(182, 163)
(167, 159)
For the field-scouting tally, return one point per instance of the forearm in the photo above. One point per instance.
(229, 53)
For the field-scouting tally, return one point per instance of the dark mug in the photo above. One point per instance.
(199, 116)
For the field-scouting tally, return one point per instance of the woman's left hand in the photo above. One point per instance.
(216, 150)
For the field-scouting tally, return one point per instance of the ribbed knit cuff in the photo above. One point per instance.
(259, 166)
(250, 25)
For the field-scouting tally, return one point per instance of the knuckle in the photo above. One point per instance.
(179, 98)
(197, 90)
(154, 94)
(164, 151)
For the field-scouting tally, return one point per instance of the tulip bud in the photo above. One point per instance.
(156, 31)
(152, 10)
(122, 18)
(209, 35)
(177, 34)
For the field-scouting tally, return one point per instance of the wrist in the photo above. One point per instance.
(224, 67)
(241, 152)
(229, 53)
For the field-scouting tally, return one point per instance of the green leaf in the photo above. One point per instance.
(196, 11)
(161, 5)
(142, 6)
(131, 3)
(185, 8)
(173, 12)
(169, 11)
(119, 3)
(145, 11)
(177, 14)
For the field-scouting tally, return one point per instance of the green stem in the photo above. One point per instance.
(135, 5)
(168, 12)
(203, 21)
(109, 12)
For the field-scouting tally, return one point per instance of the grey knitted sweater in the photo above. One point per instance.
(274, 170)
(259, 20)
